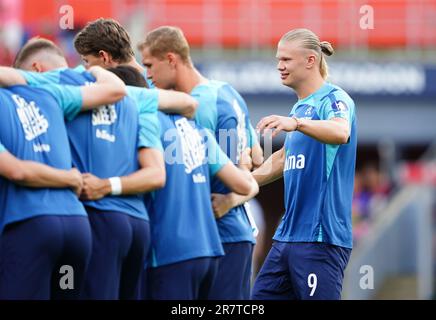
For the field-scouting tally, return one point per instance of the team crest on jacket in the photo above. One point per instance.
(309, 111)
(339, 106)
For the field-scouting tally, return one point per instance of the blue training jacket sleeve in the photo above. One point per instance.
(149, 131)
(79, 68)
(215, 155)
(206, 114)
(147, 101)
(337, 106)
(69, 98)
(2, 148)
(36, 78)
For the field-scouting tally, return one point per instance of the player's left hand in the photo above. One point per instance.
(94, 188)
(277, 124)
(221, 204)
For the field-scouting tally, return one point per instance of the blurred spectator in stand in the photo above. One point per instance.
(360, 208)
(10, 30)
(371, 191)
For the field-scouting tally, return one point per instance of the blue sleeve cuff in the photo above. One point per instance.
(149, 131)
(69, 98)
(36, 79)
(217, 159)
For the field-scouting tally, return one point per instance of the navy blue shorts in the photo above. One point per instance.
(302, 271)
(186, 280)
(234, 272)
(120, 244)
(33, 251)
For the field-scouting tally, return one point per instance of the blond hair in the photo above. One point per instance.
(310, 40)
(166, 39)
(34, 46)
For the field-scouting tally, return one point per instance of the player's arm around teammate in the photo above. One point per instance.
(10, 77)
(177, 102)
(107, 89)
(239, 180)
(151, 173)
(37, 175)
(222, 203)
(149, 177)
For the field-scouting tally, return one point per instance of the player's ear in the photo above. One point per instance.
(172, 59)
(36, 67)
(311, 59)
(105, 57)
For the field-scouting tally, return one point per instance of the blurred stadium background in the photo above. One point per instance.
(389, 69)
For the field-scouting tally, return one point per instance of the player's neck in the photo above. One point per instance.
(307, 88)
(188, 79)
(134, 64)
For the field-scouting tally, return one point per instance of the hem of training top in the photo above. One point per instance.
(186, 257)
(237, 239)
(7, 222)
(135, 215)
(334, 243)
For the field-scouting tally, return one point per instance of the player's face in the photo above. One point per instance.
(159, 71)
(291, 63)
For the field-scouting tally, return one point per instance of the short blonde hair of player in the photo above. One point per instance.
(165, 39)
(310, 40)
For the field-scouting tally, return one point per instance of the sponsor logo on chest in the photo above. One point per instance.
(294, 162)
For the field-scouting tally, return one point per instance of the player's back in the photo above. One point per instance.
(183, 226)
(32, 128)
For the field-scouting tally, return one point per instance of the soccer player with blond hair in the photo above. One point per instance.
(314, 239)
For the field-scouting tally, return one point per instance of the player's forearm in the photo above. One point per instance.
(110, 87)
(325, 131)
(177, 102)
(10, 77)
(107, 89)
(143, 180)
(237, 199)
(271, 169)
(248, 186)
(238, 180)
(37, 175)
(103, 76)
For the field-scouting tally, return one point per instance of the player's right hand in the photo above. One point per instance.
(276, 124)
